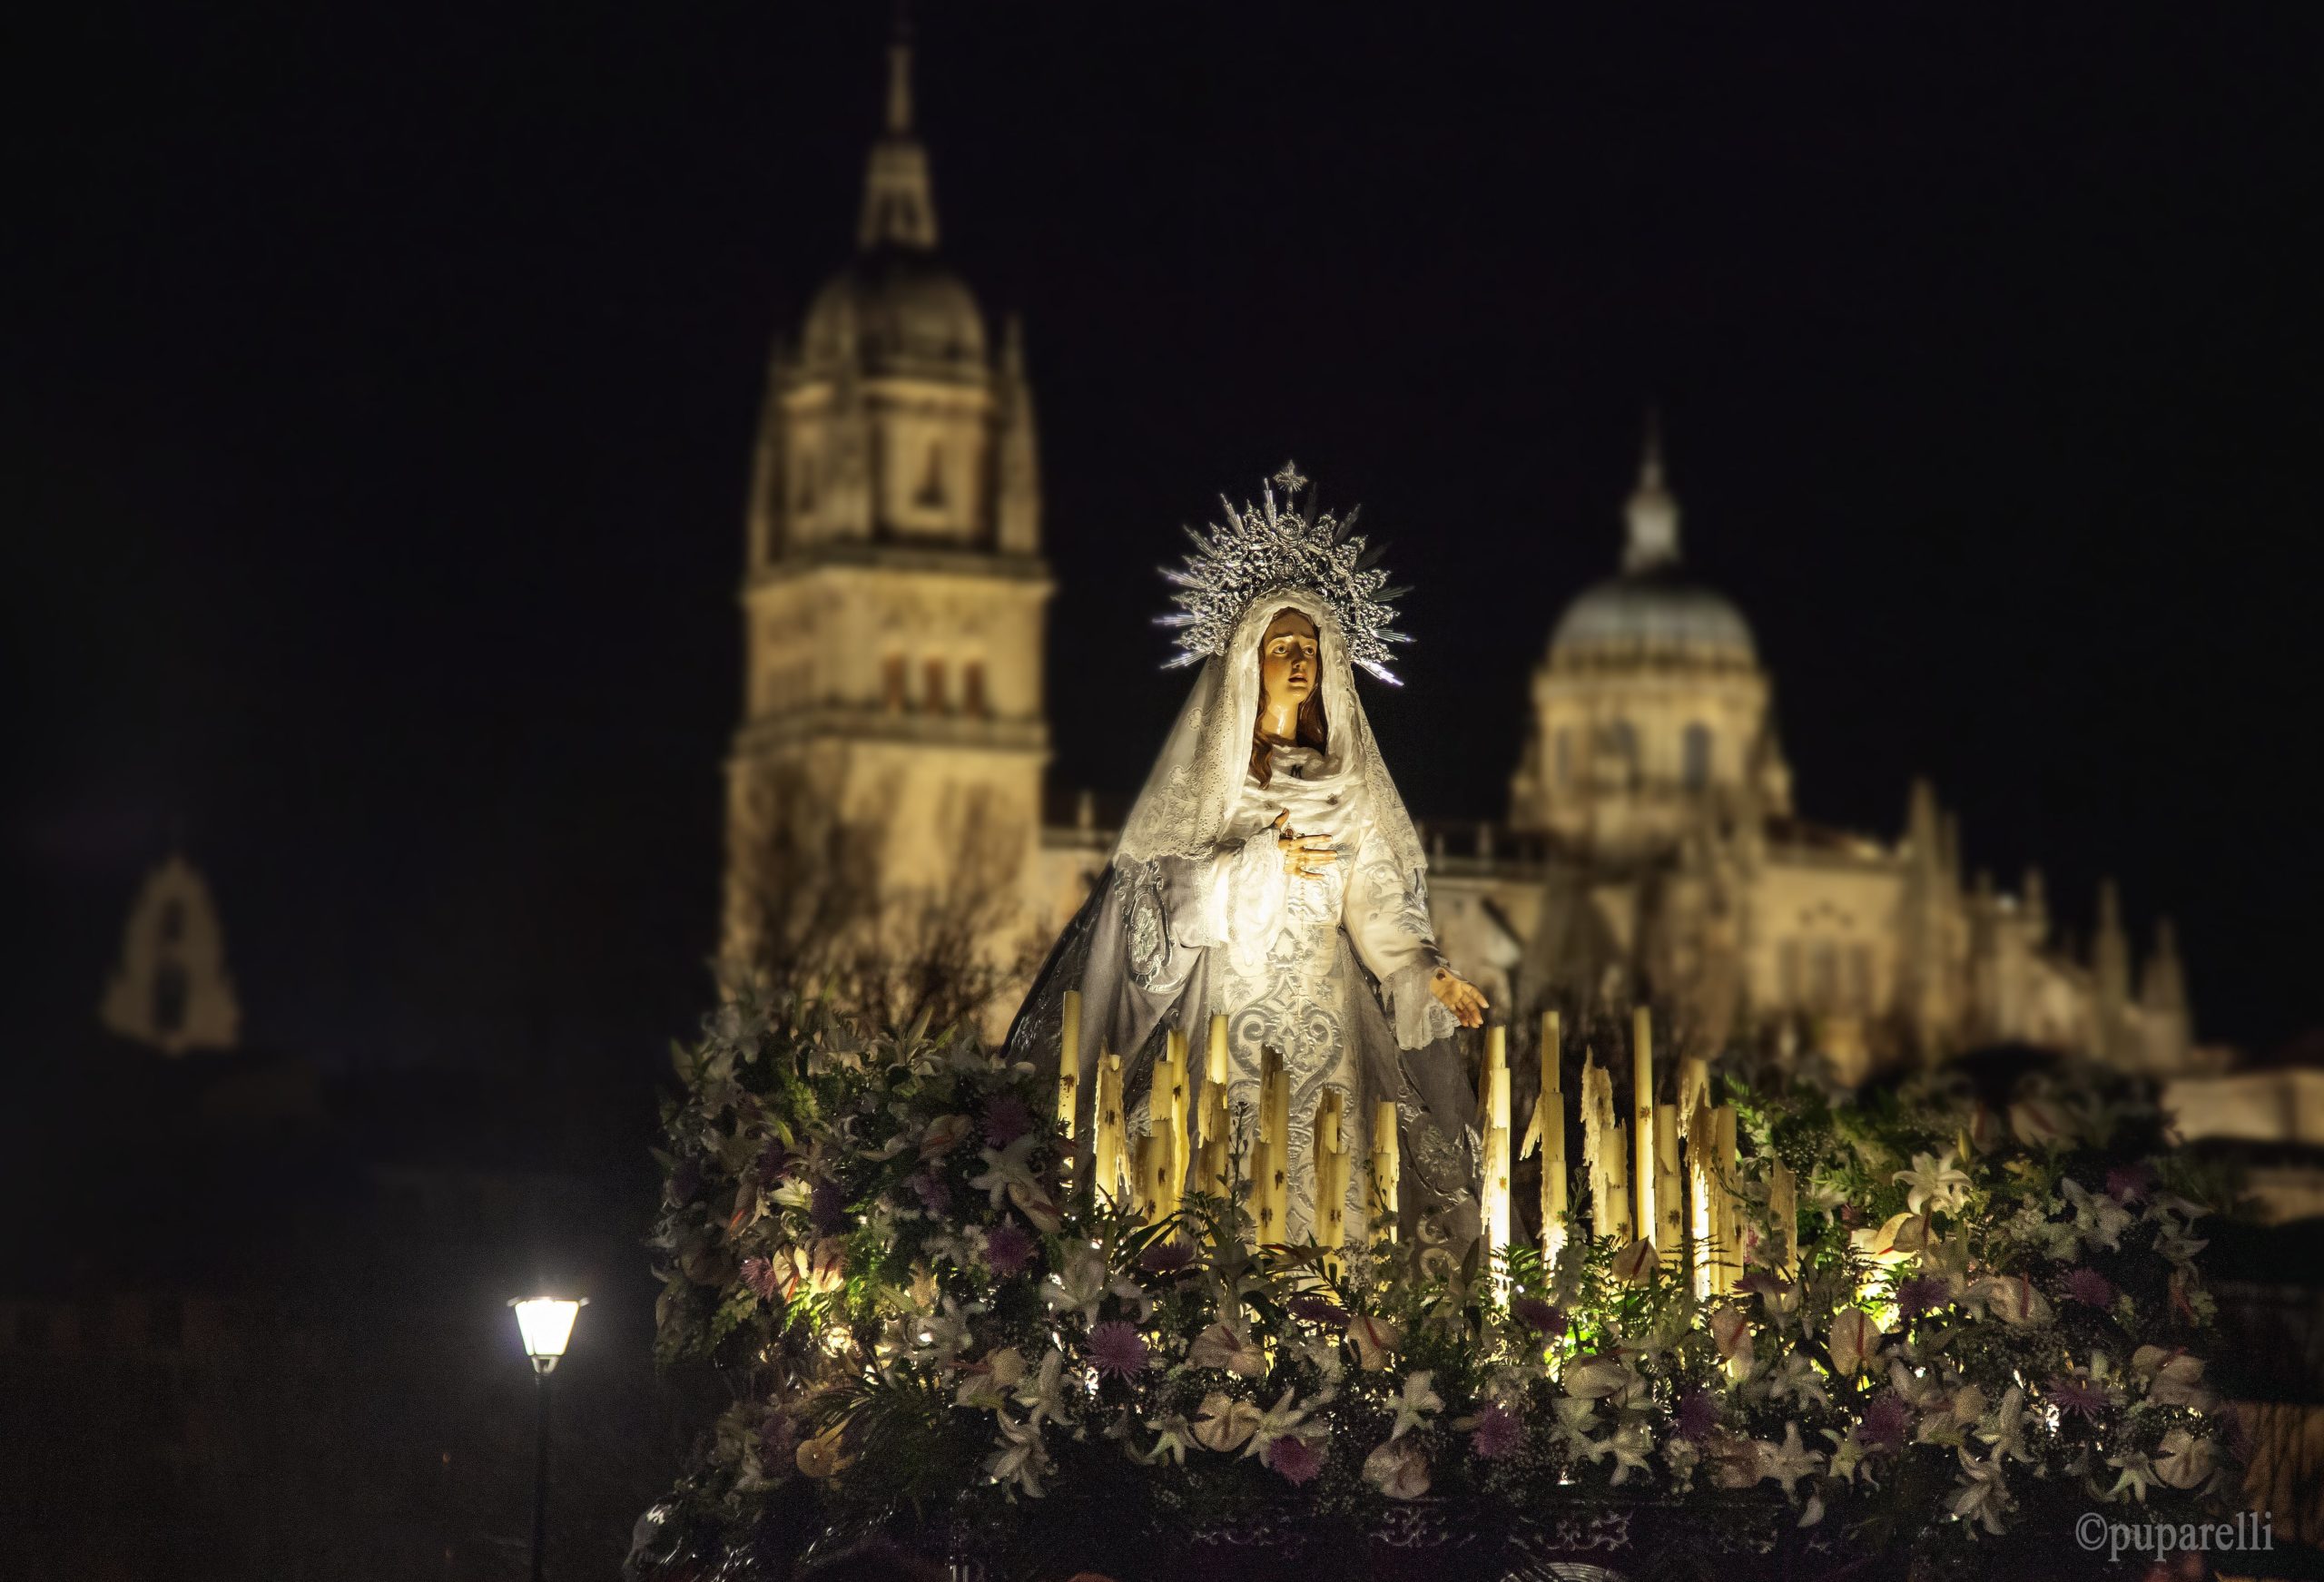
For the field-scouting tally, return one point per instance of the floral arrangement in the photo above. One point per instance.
(1994, 1324)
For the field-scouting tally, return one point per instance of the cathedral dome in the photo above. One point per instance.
(1653, 610)
(1656, 610)
(896, 305)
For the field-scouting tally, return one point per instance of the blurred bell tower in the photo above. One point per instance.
(894, 596)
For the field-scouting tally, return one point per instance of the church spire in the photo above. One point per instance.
(898, 210)
(1653, 514)
(900, 82)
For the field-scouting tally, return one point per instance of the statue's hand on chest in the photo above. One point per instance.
(1312, 862)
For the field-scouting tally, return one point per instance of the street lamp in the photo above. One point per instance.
(546, 1324)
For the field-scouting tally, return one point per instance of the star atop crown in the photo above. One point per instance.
(1273, 547)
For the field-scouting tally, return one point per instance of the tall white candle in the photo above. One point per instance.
(1069, 1062)
(1495, 1114)
(1386, 1165)
(1670, 1185)
(1331, 1170)
(1724, 1215)
(1550, 1118)
(1642, 1118)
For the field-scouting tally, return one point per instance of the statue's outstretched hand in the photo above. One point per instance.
(1304, 856)
(1460, 997)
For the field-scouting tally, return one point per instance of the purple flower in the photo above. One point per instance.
(758, 1273)
(1165, 1258)
(1698, 1415)
(775, 1161)
(1008, 1248)
(1498, 1432)
(2129, 1183)
(1295, 1457)
(2078, 1396)
(934, 1196)
(1006, 1119)
(1117, 1349)
(1921, 1294)
(1884, 1421)
(826, 1209)
(2088, 1287)
(1537, 1315)
(1312, 1309)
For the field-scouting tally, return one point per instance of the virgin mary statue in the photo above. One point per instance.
(1268, 871)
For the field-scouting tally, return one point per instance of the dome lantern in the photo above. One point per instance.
(1653, 610)
(1652, 513)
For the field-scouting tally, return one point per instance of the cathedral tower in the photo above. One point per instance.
(172, 991)
(893, 601)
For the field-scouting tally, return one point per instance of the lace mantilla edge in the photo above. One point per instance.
(1420, 1018)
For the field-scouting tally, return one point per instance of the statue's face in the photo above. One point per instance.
(1288, 656)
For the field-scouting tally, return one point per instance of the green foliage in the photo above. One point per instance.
(872, 1237)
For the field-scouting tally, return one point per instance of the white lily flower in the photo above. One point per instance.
(1173, 1433)
(1797, 1377)
(2005, 1428)
(2097, 1215)
(1983, 1494)
(2137, 1474)
(1023, 1461)
(1279, 1421)
(1572, 1428)
(1043, 1395)
(1630, 1444)
(1790, 1461)
(1935, 1182)
(1005, 1167)
(1414, 1406)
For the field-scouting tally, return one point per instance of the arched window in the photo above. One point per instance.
(1696, 755)
(1621, 746)
(1824, 976)
(932, 688)
(931, 496)
(806, 481)
(891, 683)
(169, 995)
(173, 921)
(972, 698)
(1564, 757)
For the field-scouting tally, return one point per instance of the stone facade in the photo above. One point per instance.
(1652, 849)
(895, 603)
(895, 596)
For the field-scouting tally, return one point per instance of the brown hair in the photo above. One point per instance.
(1314, 731)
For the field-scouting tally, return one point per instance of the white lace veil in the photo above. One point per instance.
(1191, 793)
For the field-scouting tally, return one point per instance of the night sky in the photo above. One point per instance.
(379, 388)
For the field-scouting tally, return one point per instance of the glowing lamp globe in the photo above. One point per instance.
(546, 1324)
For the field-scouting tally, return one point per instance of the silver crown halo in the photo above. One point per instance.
(1272, 546)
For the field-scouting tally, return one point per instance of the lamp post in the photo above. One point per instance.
(546, 1324)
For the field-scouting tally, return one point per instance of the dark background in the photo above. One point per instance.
(379, 388)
